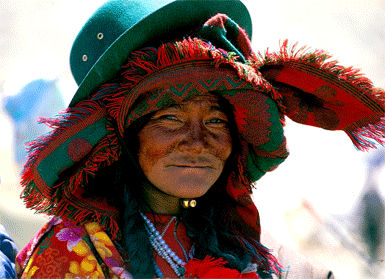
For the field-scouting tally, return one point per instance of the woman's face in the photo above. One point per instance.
(183, 148)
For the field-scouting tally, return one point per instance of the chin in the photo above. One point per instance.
(191, 191)
(187, 186)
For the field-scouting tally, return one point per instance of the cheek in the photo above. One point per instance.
(225, 146)
(148, 157)
(146, 160)
(151, 151)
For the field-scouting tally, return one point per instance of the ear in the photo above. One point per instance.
(323, 94)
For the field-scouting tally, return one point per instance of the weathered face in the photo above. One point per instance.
(183, 148)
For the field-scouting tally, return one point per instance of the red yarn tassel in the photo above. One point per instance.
(209, 268)
(213, 268)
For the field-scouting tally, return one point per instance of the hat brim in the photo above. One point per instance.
(182, 16)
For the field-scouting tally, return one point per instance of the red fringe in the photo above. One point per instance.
(57, 202)
(318, 58)
(364, 138)
(61, 123)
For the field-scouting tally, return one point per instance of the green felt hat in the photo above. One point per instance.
(120, 26)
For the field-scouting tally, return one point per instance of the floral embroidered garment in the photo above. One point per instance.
(90, 253)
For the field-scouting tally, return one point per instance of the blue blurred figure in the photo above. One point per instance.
(372, 208)
(40, 97)
(8, 253)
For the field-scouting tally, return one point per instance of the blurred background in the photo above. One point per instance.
(326, 200)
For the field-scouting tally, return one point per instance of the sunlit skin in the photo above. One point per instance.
(182, 151)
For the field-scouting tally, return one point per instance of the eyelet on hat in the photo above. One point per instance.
(129, 25)
(84, 58)
(100, 36)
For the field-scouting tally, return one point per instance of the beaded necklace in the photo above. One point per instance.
(163, 250)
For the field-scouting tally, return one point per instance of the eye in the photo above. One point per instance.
(217, 121)
(170, 117)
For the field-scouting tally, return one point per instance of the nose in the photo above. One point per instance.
(194, 139)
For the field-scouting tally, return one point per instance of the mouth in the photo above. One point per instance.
(185, 162)
(191, 166)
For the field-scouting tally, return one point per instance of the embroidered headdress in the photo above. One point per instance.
(120, 81)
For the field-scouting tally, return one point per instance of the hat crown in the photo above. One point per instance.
(119, 27)
(105, 26)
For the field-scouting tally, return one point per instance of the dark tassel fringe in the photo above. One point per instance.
(364, 138)
(136, 239)
(263, 257)
(260, 255)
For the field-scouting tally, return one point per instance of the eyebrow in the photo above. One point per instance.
(182, 106)
(217, 108)
(177, 106)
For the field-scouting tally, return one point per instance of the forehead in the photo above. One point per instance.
(208, 100)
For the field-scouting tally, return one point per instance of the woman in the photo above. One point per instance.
(149, 171)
